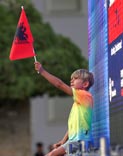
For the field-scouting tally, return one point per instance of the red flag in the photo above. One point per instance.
(22, 46)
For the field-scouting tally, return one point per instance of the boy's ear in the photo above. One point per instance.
(85, 84)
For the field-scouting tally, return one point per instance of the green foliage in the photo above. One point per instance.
(18, 79)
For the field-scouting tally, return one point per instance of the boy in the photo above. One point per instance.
(80, 118)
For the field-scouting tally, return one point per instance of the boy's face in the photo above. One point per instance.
(78, 83)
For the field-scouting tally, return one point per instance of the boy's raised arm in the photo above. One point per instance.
(58, 83)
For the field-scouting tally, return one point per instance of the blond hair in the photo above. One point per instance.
(85, 75)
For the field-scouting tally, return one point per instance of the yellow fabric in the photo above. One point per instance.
(80, 118)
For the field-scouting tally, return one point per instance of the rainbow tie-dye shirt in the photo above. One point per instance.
(80, 118)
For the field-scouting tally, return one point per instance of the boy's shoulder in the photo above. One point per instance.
(82, 96)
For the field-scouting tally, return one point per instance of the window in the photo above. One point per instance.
(63, 6)
(58, 109)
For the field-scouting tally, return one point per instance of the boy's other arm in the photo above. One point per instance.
(65, 138)
(53, 79)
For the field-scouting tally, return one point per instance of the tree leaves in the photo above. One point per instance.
(18, 79)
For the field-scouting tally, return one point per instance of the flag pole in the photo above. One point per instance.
(22, 7)
(35, 59)
(34, 56)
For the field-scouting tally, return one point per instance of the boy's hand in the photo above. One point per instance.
(38, 67)
(57, 144)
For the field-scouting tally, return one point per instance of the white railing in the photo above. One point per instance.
(82, 150)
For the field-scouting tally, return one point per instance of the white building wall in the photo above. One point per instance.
(71, 23)
(48, 118)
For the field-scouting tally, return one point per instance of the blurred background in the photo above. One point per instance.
(31, 110)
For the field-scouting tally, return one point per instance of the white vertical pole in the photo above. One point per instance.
(103, 146)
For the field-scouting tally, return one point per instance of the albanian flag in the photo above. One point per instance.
(22, 46)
